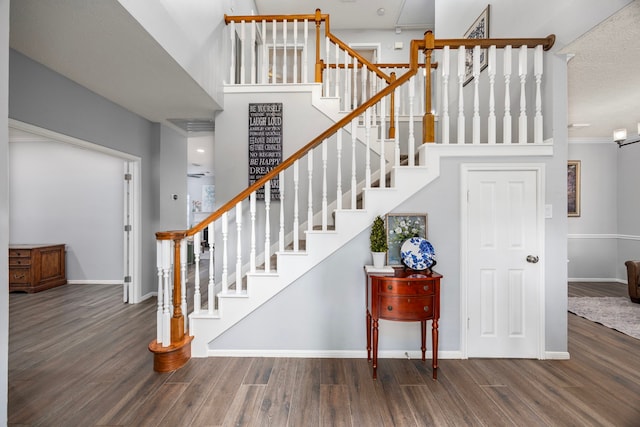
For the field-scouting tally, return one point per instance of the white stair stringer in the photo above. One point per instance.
(261, 287)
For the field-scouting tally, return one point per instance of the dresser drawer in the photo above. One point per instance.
(406, 308)
(19, 275)
(19, 253)
(404, 287)
(15, 261)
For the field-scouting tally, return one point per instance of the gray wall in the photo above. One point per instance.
(4, 205)
(173, 179)
(628, 207)
(64, 194)
(46, 99)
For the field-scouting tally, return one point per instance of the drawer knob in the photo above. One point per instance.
(426, 287)
(390, 287)
(390, 308)
(18, 262)
(426, 308)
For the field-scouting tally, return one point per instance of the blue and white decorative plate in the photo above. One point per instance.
(417, 253)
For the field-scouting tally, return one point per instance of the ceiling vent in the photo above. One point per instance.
(194, 125)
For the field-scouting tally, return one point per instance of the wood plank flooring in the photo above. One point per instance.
(78, 357)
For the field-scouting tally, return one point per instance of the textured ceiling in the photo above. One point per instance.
(604, 76)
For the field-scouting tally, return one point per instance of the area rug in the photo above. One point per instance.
(614, 312)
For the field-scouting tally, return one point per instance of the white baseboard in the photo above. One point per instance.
(595, 279)
(330, 354)
(557, 355)
(149, 295)
(94, 282)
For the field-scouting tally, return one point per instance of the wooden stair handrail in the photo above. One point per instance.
(546, 42)
(278, 18)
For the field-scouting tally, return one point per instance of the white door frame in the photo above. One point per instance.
(465, 170)
(135, 210)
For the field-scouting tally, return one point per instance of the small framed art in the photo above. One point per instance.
(401, 227)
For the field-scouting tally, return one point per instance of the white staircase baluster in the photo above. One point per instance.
(337, 72)
(383, 138)
(411, 141)
(310, 190)
(445, 98)
(239, 247)
(506, 124)
(367, 157)
(396, 136)
(363, 74)
(265, 55)
(253, 53)
(284, 52)
(242, 43)
(295, 51)
(296, 209)
(475, 136)
(281, 234)
(232, 62)
(305, 78)
(461, 73)
(537, 127)
(160, 299)
(274, 68)
(522, 72)
(183, 281)
(166, 279)
(339, 169)
(374, 82)
(324, 184)
(354, 139)
(346, 82)
(212, 271)
(252, 213)
(267, 226)
(196, 278)
(225, 254)
(355, 83)
(491, 122)
(327, 72)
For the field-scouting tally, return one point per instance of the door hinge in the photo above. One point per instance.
(127, 177)
(127, 279)
(127, 228)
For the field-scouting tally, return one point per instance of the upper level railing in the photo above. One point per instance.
(343, 173)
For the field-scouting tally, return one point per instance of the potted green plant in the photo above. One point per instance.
(378, 242)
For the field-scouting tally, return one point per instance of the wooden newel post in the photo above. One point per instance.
(428, 121)
(392, 117)
(318, 19)
(177, 321)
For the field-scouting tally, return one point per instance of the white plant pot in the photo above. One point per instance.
(378, 259)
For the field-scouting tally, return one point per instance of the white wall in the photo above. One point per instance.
(4, 204)
(193, 33)
(64, 194)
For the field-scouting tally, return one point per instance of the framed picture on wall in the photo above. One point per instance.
(401, 227)
(478, 30)
(573, 188)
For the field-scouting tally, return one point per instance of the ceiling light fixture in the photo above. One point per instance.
(200, 150)
(380, 11)
(620, 137)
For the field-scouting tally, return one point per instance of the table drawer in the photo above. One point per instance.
(404, 287)
(406, 308)
(20, 253)
(19, 275)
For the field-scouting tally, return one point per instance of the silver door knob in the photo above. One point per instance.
(532, 259)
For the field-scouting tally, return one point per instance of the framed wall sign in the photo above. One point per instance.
(573, 188)
(265, 144)
(478, 30)
(401, 227)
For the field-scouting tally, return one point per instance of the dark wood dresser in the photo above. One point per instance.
(34, 268)
(403, 295)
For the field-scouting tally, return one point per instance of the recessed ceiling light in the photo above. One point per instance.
(579, 125)
(200, 150)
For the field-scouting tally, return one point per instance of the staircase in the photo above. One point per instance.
(346, 189)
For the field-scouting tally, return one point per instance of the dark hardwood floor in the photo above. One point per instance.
(78, 357)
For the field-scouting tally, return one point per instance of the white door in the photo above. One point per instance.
(503, 243)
